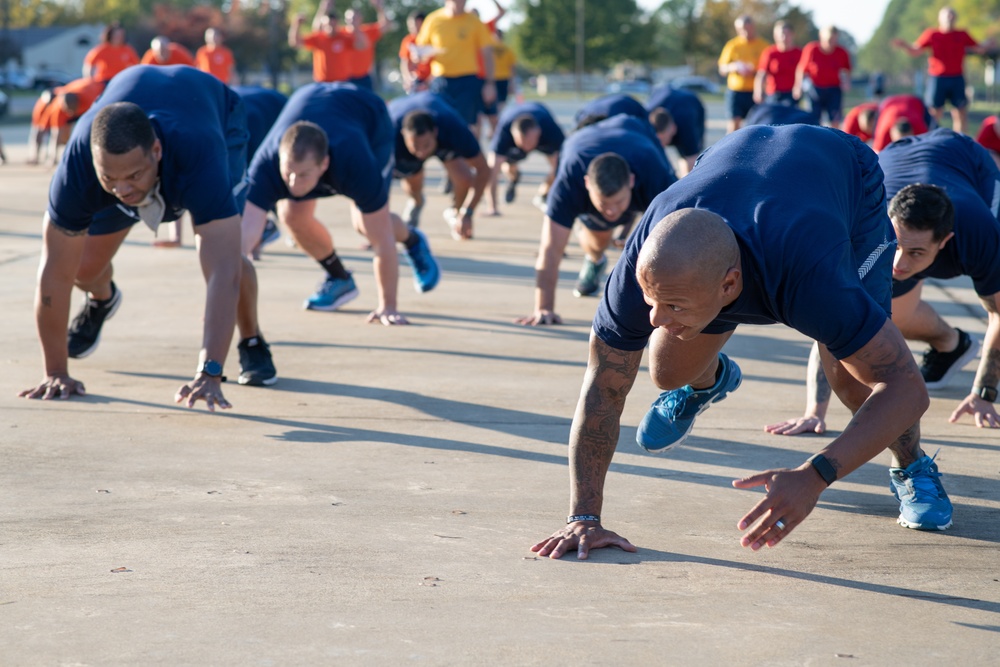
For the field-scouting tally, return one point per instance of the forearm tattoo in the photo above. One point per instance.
(817, 386)
(988, 374)
(596, 426)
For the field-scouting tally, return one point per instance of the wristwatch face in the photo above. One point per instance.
(988, 394)
(211, 367)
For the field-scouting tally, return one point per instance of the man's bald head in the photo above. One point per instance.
(691, 242)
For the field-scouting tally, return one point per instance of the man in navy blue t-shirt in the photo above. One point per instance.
(426, 125)
(523, 128)
(777, 113)
(159, 141)
(688, 114)
(945, 194)
(774, 224)
(608, 174)
(608, 106)
(336, 139)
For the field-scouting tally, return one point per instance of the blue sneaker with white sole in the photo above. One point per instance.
(923, 502)
(426, 272)
(332, 293)
(669, 420)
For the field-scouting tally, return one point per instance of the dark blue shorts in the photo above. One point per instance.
(464, 93)
(116, 218)
(738, 104)
(942, 89)
(364, 82)
(829, 101)
(781, 98)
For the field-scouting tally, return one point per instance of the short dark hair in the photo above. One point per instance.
(610, 173)
(418, 16)
(419, 122)
(903, 126)
(109, 30)
(868, 115)
(524, 123)
(121, 127)
(305, 139)
(660, 119)
(71, 102)
(924, 207)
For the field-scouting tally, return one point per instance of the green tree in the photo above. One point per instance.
(614, 31)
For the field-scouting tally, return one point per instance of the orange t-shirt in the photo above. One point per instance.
(361, 60)
(217, 61)
(106, 60)
(423, 67)
(331, 60)
(178, 56)
(87, 92)
(41, 110)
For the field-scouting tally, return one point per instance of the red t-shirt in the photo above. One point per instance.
(987, 136)
(177, 55)
(217, 61)
(850, 124)
(892, 109)
(331, 60)
(947, 50)
(780, 68)
(423, 70)
(361, 60)
(108, 59)
(824, 68)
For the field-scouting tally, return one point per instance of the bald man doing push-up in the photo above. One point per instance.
(755, 254)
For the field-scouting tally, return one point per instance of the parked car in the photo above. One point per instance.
(696, 83)
(50, 78)
(16, 79)
(4, 104)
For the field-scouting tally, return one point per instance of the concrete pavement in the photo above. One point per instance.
(376, 505)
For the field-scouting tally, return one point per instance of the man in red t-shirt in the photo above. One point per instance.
(892, 112)
(946, 78)
(775, 77)
(416, 73)
(989, 137)
(329, 45)
(361, 58)
(215, 57)
(828, 66)
(860, 121)
(164, 52)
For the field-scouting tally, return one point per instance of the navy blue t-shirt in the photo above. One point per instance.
(263, 106)
(550, 142)
(689, 116)
(612, 105)
(795, 197)
(359, 130)
(454, 138)
(771, 113)
(623, 135)
(198, 121)
(967, 173)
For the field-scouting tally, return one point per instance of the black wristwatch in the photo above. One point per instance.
(211, 368)
(986, 393)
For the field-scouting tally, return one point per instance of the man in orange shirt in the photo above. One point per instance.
(111, 56)
(361, 59)
(329, 45)
(164, 52)
(215, 58)
(946, 78)
(56, 112)
(416, 73)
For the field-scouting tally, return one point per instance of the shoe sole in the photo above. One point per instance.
(344, 298)
(921, 526)
(254, 382)
(97, 341)
(969, 355)
(578, 294)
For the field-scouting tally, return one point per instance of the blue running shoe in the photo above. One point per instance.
(271, 232)
(923, 502)
(332, 293)
(669, 420)
(426, 272)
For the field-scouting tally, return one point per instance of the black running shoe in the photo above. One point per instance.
(256, 365)
(939, 367)
(85, 330)
(511, 193)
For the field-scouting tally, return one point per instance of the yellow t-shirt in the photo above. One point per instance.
(456, 41)
(503, 62)
(748, 51)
